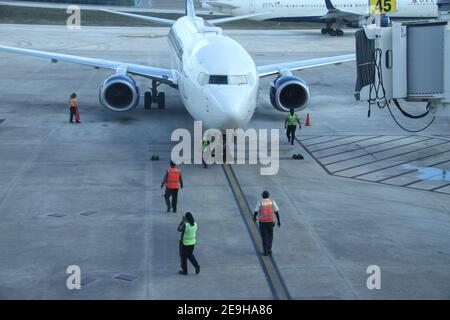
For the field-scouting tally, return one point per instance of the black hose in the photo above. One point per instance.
(377, 95)
(409, 130)
(408, 115)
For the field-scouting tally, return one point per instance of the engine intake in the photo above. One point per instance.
(119, 93)
(289, 92)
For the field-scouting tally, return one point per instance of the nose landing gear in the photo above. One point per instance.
(154, 96)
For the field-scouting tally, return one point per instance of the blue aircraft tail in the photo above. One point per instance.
(329, 5)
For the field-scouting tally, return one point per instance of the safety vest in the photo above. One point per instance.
(292, 119)
(73, 103)
(173, 178)
(205, 144)
(266, 211)
(190, 234)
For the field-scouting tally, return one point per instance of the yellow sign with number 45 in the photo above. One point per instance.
(383, 6)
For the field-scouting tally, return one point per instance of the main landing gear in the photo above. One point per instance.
(332, 32)
(154, 96)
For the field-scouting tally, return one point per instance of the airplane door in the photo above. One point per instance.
(205, 100)
(252, 6)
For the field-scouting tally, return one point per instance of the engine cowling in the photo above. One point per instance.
(357, 24)
(119, 93)
(289, 92)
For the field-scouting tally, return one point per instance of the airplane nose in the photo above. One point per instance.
(233, 107)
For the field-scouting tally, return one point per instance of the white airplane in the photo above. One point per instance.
(334, 13)
(217, 79)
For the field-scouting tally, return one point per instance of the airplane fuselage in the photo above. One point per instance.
(217, 78)
(314, 10)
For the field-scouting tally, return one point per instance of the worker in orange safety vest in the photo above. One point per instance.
(73, 107)
(173, 182)
(267, 212)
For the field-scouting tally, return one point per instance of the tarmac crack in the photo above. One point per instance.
(148, 172)
(28, 164)
(319, 242)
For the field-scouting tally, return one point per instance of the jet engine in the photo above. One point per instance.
(362, 21)
(289, 92)
(119, 93)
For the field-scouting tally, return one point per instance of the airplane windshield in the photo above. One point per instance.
(213, 79)
(205, 79)
(237, 80)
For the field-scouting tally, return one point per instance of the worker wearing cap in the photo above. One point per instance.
(290, 124)
(267, 212)
(173, 182)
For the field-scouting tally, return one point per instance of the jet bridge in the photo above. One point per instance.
(407, 61)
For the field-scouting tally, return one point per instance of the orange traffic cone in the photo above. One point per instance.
(308, 121)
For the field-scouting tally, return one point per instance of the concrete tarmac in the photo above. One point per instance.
(88, 195)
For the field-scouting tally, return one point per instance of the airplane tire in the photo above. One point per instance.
(324, 31)
(332, 32)
(161, 100)
(148, 100)
(339, 33)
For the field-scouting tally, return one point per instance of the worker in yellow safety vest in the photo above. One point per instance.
(188, 228)
(290, 124)
(173, 182)
(206, 142)
(267, 212)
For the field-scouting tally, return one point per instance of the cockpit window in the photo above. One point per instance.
(214, 79)
(235, 80)
(203, 79)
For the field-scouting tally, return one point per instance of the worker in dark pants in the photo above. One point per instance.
(73, 107)
(290, 124)
(188, 228)
(173, 182)
(266, 211)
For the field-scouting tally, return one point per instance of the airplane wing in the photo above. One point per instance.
(235, 18)
(268, 70)
(218, 4)
(336, 14)
(171, 22)
(162, 75)
(141, 17)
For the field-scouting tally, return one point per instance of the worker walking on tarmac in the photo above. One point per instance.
(173, 182)
(267, 211)
(73, 108)
(206, 142)
(290, 124)
(188, 228)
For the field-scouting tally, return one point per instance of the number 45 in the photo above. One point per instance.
(384, 5)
